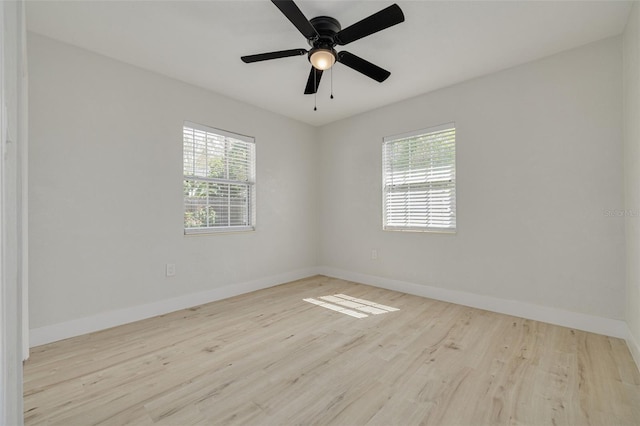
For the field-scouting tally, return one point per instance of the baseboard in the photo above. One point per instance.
(77, 327)
(575, 320)
(579, 321)
(634, 347)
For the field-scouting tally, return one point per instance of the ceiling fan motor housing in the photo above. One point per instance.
(326, 27)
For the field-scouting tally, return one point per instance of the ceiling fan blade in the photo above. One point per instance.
(365, 67)
(313, 81)
(273, 55)
(297, 18)
(385, 18)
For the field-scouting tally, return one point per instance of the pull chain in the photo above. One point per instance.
(315, 92)
(331, 97)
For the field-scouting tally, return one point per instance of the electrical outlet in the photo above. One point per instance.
(171, 269)
(374, 254)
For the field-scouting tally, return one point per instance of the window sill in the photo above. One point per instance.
(216, 231)
(421, 230)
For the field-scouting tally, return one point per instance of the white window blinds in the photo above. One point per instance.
(219, 180)
(419, 180)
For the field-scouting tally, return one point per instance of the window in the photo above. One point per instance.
(219, 180)
(419, 180)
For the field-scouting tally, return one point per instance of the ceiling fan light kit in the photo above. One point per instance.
(322, 59)
(323, 33)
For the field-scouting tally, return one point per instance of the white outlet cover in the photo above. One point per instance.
(171, 269)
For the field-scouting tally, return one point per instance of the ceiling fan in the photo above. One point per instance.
(323, 33)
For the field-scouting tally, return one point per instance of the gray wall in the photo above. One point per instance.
(539, 175)
(106, 209)
(539, 166)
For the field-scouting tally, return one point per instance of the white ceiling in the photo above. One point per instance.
(439, 44)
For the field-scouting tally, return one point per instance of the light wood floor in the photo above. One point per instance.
(270, 358)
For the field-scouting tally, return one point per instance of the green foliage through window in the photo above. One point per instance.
(219, 179)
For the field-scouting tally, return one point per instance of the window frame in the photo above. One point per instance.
(417, 133)
(250, 183)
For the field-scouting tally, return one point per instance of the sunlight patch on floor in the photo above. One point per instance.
(352, 306)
